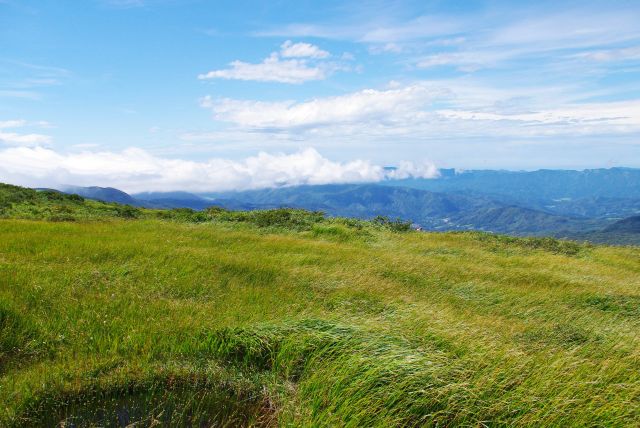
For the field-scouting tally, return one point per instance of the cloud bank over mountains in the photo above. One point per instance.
(135, 170)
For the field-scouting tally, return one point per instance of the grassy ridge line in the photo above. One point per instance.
(309, 327)
(24, 203)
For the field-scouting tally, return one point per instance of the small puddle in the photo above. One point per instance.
(170, 408)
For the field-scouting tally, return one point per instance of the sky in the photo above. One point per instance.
(230, 95)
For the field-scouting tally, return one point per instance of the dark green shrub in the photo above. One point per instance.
(127, 211)
(75, 198)
(396, 225)
(283, 218)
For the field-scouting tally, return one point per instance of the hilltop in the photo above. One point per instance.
(112, 314)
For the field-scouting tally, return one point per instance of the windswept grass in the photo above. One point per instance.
(287, 318)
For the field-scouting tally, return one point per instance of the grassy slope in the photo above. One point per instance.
(322, 325)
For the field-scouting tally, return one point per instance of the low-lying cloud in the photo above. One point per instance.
(135, 170)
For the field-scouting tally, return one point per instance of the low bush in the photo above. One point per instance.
(396, 225)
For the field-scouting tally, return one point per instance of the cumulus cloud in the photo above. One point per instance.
(21, 139)
(135, 170)
(357, 107)
(295, 63)
(272, 69)
(301, 50)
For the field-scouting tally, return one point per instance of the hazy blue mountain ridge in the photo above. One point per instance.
(545, 202)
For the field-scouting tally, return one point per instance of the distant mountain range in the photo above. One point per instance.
(430, 210)
(576, 204)
(106, 194)
(540, 185)
(147, 199)
(599, 193)
(173, 200)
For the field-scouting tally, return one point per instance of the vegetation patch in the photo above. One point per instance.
(551, 245)
(397, 225)
(566, 335)
(336, 232)
(20, 339)
(624, 305)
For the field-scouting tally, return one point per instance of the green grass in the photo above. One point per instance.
(286, 318)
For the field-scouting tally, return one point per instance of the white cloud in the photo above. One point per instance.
(301, 50)
(426, 26)
(545, 37)
(622, 114)
(15, 93)
(466, 61)
(21, 139)
(493, 37)
(613, 119)
(623, 54)
(272, 69)
(136, 170)
(443, 59)
(295, 63)
(358, 107)
(373, 31)
(386, 48)
(406, 169)
(570, 29)
(12, 123)
(420, 112)
(13, 138)
(28, 79)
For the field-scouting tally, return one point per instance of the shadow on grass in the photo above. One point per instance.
(191, 401)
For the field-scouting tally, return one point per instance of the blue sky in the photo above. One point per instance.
(162, 94)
